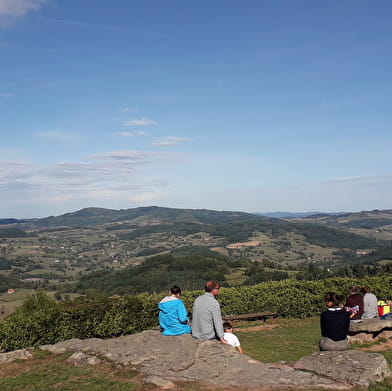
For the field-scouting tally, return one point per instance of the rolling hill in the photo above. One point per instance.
(61, 250)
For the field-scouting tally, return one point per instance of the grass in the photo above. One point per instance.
(276, 340)
(53, 373)
(9, 302)
(288, 341)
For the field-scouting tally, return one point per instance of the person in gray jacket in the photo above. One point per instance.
(206, 315)
(370, 304)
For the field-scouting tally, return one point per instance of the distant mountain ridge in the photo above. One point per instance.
(289, 215)
(93, 216)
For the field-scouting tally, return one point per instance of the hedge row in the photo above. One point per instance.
(42, 320)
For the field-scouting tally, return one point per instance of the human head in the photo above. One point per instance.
(227, 326)
(353, 290)
(175, 290)
(212, 287)
(365, 289)
(332, 299)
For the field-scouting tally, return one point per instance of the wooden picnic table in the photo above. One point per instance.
(258, 315)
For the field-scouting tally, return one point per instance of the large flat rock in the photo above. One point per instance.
(184, 358)
(370, 325)
(350, 366)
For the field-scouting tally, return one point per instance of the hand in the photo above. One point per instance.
(223, 340)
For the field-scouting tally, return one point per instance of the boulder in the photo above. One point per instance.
(349, 366)
(166, 359)
(82, 359)
(21, 354)
(370, 325)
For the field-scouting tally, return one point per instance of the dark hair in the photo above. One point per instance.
(353, 289)
(365, 289)
(332, 297)
(175, 290)
(227, 325)
(210, 285)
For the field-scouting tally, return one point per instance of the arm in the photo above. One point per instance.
(182, 313)
(322, 324)
(217, 321)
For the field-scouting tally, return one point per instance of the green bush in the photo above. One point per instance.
(43, 320)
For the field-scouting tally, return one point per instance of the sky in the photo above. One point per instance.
(241, 105)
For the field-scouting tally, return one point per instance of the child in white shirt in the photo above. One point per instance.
(230, 337)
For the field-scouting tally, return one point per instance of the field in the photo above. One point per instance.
(63, 256)
(272, 341)
(9, 302)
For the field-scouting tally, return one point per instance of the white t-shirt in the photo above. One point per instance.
(231, 339)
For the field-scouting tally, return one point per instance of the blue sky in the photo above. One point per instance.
(249, 105)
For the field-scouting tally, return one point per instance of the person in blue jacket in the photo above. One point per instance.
(173, 317)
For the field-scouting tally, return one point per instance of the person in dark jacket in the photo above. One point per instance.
(173, 317)
(334, 323)
(354, 303)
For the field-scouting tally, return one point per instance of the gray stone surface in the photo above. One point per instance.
(184, 358)
(370, 325)
(163, 384)
(351, 366)
(22, 354)
(81, 359)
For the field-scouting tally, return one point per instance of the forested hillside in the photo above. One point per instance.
(118, 250)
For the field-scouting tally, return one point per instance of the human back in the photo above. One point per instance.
(206, 314)
(173, 317)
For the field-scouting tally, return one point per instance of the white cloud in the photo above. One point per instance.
(164, 144)
(58, 135)
(359, 180)
(140, 122)
(19, 7)
(131, 134)
(170, 141)
(110, 179)
(125, 155)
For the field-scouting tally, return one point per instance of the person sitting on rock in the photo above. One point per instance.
(354, 303)
(370, 304)
(206, 314)
(231, 338)
(173, 317)
(334, 323)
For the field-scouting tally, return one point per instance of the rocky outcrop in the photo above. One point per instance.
(184, 358)
(164, 360)
(351, 366)
(22, 354)
(369, 330)
(370, 325)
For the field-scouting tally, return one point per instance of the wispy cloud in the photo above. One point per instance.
(131, 134)
(114, 176)
(19, 7)
(125, 155)
(101, 26)
(58, 135)
(359, 180)
(6, 95)
(140, 122)
(170, 141)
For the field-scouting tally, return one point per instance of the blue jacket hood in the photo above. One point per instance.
(168, 304)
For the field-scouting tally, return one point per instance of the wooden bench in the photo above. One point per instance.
(258, 315)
